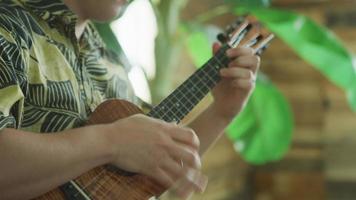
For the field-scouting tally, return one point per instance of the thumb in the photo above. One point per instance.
(216, 47)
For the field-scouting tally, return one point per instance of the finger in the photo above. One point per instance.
(184, 188)
(251, 62)
(186, 136)
(247, 84)
(194, 181)
(189, 157)
(163, 178)
(216, 47)
(198, 179)
(239, 51)
(174, 168)
(235, 72)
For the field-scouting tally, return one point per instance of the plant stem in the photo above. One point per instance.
(215, 12)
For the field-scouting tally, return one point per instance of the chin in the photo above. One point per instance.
(109, 15)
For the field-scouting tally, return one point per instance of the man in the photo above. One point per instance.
(55, 70)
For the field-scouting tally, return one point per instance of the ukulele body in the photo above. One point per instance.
(108, 182)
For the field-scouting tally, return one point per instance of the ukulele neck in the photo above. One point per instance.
(179, 103)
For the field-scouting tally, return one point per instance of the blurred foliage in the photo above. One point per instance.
(250, 3)
(263, 131)
(168, 46)
(314, 43)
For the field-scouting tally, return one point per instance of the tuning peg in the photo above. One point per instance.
(222, 38)
(229, 29)
(239, 20)
(261, 50)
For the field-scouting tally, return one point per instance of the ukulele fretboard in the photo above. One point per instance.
(179, 103)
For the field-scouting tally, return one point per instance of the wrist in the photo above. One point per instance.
(101, 137)
(223, 115)
(218, 116)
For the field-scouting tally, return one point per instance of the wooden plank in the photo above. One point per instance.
(308, 135)
(289, 185)
(337, 122)
(340, 162)
(341, 190)
(301, 91)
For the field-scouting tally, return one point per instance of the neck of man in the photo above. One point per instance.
(80, 27)
(74, 6)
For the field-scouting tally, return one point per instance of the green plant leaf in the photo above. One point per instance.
(198, 44)
(251, 3)
(108, 36)
(262, 132)
(314, 43)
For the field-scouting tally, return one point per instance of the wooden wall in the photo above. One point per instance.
(320, 163)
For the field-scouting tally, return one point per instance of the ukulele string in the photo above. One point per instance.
(218, 58)
(106, 191)
(89, 184)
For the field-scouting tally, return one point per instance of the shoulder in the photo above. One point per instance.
(17, 22)
(15, 39)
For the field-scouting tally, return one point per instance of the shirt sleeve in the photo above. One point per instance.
(11, 79)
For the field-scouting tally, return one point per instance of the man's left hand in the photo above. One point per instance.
(238, 81)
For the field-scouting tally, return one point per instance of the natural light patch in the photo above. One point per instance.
(266, 2)
(239, 146)
(136, 31)
(298, 24)
(140, 86)
(354, 63)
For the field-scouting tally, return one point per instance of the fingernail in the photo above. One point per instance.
(201, 182)
(198, 179)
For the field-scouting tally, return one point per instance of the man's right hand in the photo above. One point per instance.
(161, 150)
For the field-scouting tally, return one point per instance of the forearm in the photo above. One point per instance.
(32, 164)
(209, 126)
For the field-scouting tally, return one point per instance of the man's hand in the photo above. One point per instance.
(238, 81)
(161, 150)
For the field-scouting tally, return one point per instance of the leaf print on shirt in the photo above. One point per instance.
(55, 105)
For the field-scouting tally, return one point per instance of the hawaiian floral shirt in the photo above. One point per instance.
(49, 80)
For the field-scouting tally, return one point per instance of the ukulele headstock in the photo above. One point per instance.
(247, 31)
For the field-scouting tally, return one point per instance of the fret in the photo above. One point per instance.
(170, 116)
(208, 79)
(192, 91)
(188, 102)
(198, 81)
(198, 90)
(221, 57)
(223, 61)
(212, 72)
(158, 111)
(176, 108)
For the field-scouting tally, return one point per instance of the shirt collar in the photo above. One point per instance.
(57, 14)
(51, 10)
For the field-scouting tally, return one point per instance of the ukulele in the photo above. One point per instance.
(110, 183)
